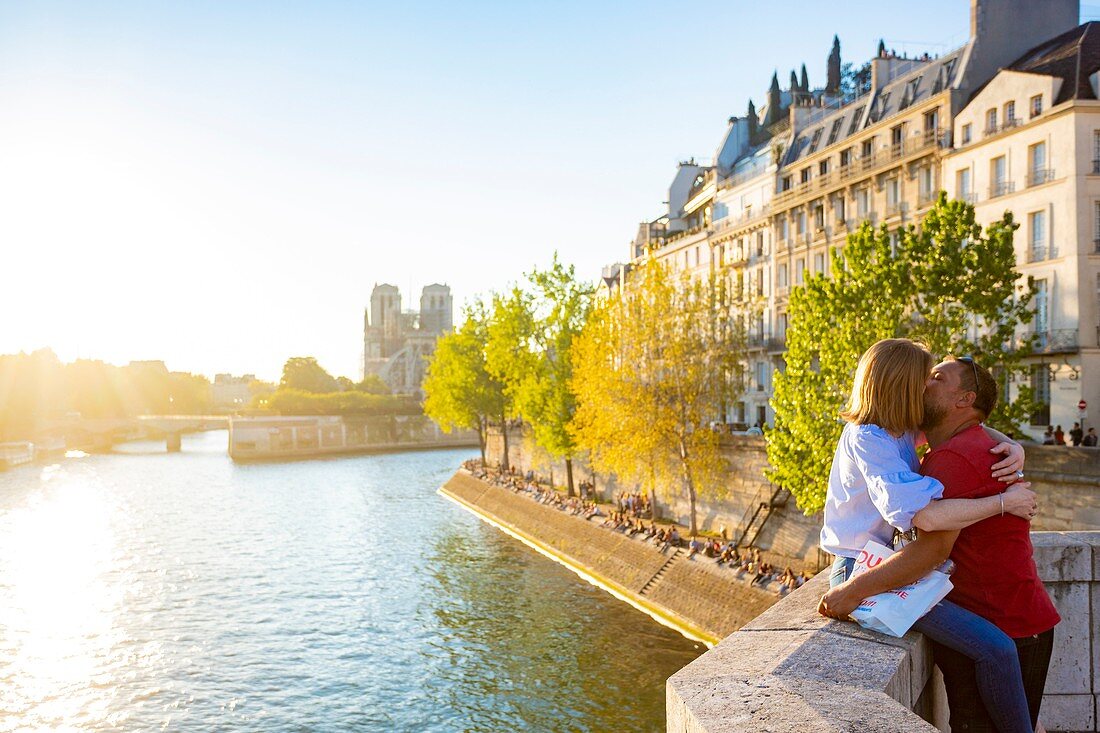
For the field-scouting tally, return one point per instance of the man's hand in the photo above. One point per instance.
(839, 602)
(1012, 467)
(1021, 501)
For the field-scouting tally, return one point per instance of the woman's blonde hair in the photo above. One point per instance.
(889, 386)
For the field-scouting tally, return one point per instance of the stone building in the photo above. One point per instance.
(790, 181)
(396, 342)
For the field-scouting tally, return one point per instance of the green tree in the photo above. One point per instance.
(458, 390)
(946, 283)
(304, 373)
(529, 352)
(654, 367)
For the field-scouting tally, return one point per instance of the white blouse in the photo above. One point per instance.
(874, 487)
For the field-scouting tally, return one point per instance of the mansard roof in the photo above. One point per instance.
(917, 81)
(1073, 57)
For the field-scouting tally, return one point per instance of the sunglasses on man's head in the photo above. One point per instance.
(973, 368)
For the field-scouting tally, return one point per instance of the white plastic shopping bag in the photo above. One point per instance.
(894, 612)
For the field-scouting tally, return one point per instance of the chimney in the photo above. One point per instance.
(1002, 30)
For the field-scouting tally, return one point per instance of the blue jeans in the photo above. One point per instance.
(996, 661)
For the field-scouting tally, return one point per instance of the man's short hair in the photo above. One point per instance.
(984, 388)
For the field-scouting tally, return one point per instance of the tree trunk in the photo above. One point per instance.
(686, 464)
(481, 438)
(504, 437)
(569, 476)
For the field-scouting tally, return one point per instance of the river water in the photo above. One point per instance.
(144, 591)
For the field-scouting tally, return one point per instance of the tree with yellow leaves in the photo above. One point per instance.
(653, 368)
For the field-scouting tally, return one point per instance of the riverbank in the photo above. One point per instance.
(696, 597)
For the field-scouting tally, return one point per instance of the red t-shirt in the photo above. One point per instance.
(995, 574)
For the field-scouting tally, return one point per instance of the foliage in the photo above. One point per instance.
(288, 401)
(947, 284)
(37, 388)
(530, 337)
(653, 367)
(305, 374)
(458, 390)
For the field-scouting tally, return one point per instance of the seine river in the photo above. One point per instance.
(144, 591)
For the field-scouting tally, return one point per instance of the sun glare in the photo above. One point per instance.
(57, 606)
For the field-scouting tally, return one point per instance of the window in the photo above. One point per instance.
(867, 150)
(760, 244)
(819, 217)
(863, 202)
(845, 157)
(697, 258)
(997, 177)
(800, 271)
(761, 376)
(855, 120)
(1037, 244)
(925, 183)
(815, 140)
(801, 220)
(1040, 387)
(990, 122)
(962, 185)
(897, 139)
(1036, 105)
(805, 174)
(1037, 164)
(781, 325)
(840, 208)
(819, 263)
(834, 133)
(893, 192)
(1096, 228)
(781, 275)
(786, 185)
(823, 167)
(966, 133)
(931, 122)
(1042, 307)
(784, 228)
(1010, 114)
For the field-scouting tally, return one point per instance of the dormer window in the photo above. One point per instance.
(1036, 105)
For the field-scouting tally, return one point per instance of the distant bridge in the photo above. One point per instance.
(102, 433)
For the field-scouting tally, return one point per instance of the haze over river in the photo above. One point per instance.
(145, 591)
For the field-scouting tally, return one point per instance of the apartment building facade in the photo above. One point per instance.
(789, 183)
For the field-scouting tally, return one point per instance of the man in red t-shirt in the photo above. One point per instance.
(995, 575)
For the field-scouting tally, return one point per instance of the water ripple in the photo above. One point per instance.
(146, 591)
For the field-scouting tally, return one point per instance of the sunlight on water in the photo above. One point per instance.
(145, 591)
(59, 602)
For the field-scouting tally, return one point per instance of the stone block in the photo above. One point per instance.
(1094, 591)
(1070, 663)
(1068, 712)
(1092, 539)
(1060, 558)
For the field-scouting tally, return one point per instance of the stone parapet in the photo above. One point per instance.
(791, 669)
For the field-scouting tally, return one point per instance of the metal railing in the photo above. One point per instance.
(1039, 176)
(1050, 341)
(1001, 188)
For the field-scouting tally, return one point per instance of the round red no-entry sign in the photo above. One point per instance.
(1082, 405)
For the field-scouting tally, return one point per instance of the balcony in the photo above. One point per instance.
(777, 345)
(1096, 246)
(1037, 253)
(1056, 341)
(893, 209)
(1001, 188)
(1039, 176)
(925, 198)
(969, 197)
(1096, 167)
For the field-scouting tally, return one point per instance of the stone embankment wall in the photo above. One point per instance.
(791, 669)
(697, 597)
(1067, 480)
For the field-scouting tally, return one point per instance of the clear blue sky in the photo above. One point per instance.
(219, 185)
